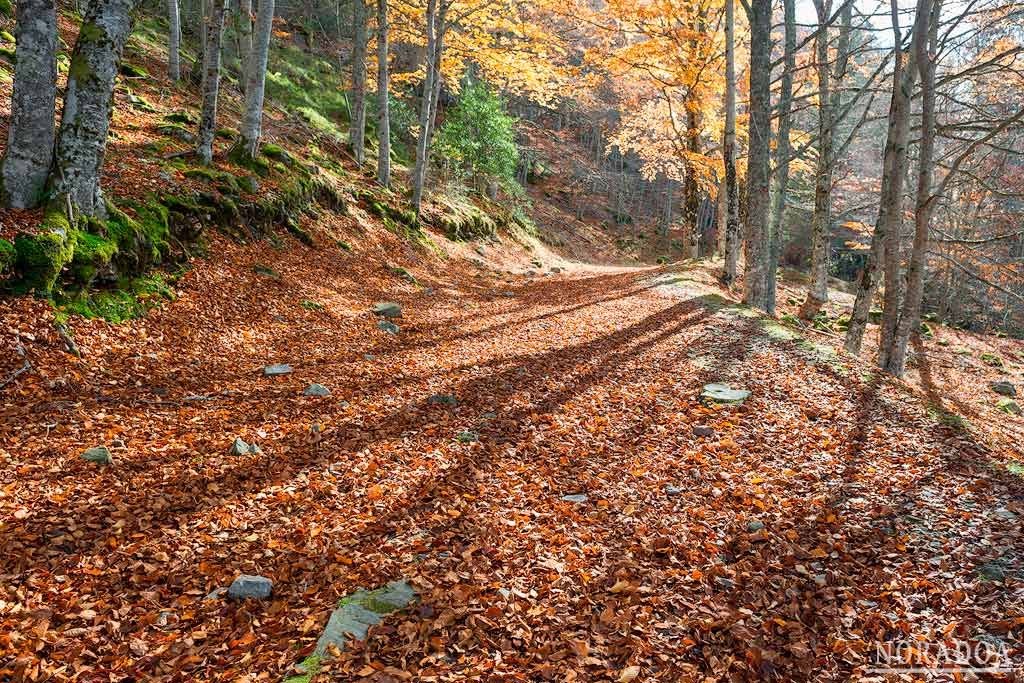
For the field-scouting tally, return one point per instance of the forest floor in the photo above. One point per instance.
(833, 510)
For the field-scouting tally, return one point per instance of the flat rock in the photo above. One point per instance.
(356, 613)
(98, 454)
(277, 370)
(723, 393)
(575, 498)
(1003, 388)
(316, 390)
(389, 327)
(248, 586)
(387, 309)
(703, 430)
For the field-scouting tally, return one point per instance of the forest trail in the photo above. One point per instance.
(829, 508)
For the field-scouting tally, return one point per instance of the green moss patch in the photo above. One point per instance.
(131, 299)
(7, 257)
(41, 257)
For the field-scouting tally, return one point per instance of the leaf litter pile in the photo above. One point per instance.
(780, 540)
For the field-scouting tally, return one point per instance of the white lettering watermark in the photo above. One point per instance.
(947, 656)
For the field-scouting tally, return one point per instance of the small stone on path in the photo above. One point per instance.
(277, 370)
(389, 327)
(316, 390)
(248, 586)
(723, 393)
(575, 498)
(443, 400)
(240, 447)
(388, 309)
(672, 490)
(98, 454)
(703, 430)
(1004, 388)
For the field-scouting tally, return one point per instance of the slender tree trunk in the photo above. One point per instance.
(910, 314)
(422, 147)
(435, 99)
(256, 78)
(891, 257)
(245, 40)
(691, 202)
(357, 133)
(211, 81)
(757, 245)
(383, 108)
(783, 147)
(732, 193)
(173, 41)
(890, 205)
(30, 136)
(88, 100)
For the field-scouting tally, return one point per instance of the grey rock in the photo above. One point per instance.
(98, 454)
(488, 416)
(723, 393)
(387, 309)
(216, 593)
(755, 525)
(672, 490)
(429, 291)
(389, 327)
(369, 356)
(247, 586)
(442, 400)
(992, 571)
(359, 611)
(467, 437)
(555, 270)
(508, 295)
(240, 447)
(575, 498)
(480, 250)
(1009, 406)
(277, 370)
(1004, 388)
(703, 430)
(316, 390)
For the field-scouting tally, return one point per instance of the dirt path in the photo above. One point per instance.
(829, 512)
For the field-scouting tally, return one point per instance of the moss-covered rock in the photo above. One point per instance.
(41, 256)
(132, 70)
(7, 257)
(185, 118)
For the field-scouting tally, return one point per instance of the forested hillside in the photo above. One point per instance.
(451, 340)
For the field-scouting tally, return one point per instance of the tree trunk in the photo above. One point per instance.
(732, 194)
(88, 99)
(890, 205)
(245, 41)
(910, 313)
(423, 146)
(30, 135)
(256, 77)
(173, 41)
(783, 147)
(441, 28)
(211, 81)
(757, 245)
(357, 133)
(383, 109)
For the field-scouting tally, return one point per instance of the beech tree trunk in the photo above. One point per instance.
(423, 144)
(441, 28)
(383, 108)
(256, 78)
(732, 191)
(173, 41)
(245, 41)
(30, 135)
(890, 204)
(782, 146)
(757, 250)
(88, 98)
(895, 357)
(357, 133)
(211, 81)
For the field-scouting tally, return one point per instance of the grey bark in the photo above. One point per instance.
(895, 357)
(423, 144)
(30, 136)
(383, 108)
(256, 78)
(782, 146)
(890, 204)
(88, 98)
(756, 247)
(245, 36)
(357, 133)
(173, 41)
(211, 80)
(441, 28)
(732, 192)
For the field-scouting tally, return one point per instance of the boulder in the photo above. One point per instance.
(247, 586)
(98, 454)
(389, 327)
(277, 370)
(359, 611)
(316, 390)
(1003, 388)
(1009, 406)
(723, 393)
(387, 309)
